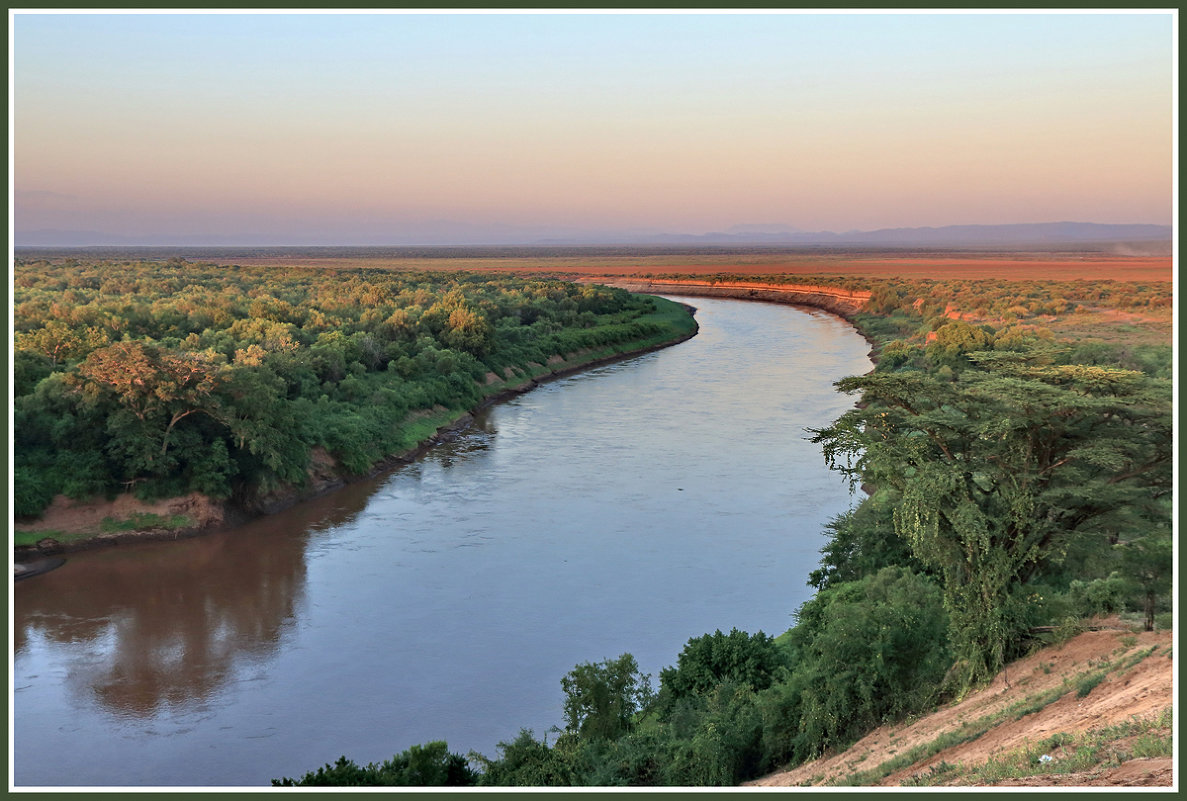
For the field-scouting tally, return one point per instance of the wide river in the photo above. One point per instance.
(625, 509)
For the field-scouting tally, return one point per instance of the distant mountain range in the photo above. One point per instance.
(945, 236)
(444, 234)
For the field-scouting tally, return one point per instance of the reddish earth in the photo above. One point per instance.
(1014, 266)
(1141, 692)
(79, 516)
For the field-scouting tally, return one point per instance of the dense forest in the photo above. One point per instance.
(1016, 486)
(168, 377)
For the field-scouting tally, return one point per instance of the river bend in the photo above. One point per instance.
(627, 508)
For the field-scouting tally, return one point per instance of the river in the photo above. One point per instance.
(623, 509)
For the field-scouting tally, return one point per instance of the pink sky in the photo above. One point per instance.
(352, 128)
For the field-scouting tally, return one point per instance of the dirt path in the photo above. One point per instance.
(1141, 691)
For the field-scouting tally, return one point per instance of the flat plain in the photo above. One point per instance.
(1057, 265)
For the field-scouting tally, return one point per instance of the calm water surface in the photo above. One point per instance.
(628, 508)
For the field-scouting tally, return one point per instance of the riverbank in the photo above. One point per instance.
(844, 303)
(71, 525)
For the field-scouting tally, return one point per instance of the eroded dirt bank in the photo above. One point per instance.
(1132, 688)
(842, 302)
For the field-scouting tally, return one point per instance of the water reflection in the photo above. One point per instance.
(154, 630)
(163, 625)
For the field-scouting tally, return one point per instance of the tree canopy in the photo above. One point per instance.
(999, 469)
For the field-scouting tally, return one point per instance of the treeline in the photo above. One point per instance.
(1014, 483)
(998, 298)
(171, 377)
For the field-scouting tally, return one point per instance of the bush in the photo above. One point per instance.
(862, 541)
(420, 766)
(525, 762)
(867, 652)
(1102, 596)
(712, 659)
(31, 492)
(725, 746)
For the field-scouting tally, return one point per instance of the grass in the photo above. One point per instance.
(139, 521)
(1088, 683)
(969, 731)
(23, 538)
(1063, 753)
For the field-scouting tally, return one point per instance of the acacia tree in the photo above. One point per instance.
(58, 342)
(157, 388)
(998, 470)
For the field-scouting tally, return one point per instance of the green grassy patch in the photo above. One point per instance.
(23, 538)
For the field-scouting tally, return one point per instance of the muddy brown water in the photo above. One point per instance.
(625, 509)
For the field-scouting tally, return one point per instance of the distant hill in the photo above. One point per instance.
(945, 236)
(454, 234)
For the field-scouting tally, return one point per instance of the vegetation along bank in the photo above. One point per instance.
(182, 395)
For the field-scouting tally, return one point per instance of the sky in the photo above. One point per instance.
(469, 128)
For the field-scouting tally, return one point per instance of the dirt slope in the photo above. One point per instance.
(1133, 687)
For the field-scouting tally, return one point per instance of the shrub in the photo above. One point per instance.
(711, 659)
(421, 766)
(525, 762)
(866, 652)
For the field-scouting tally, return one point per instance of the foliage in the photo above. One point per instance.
(1016, 480)
(425, 765)
(1149, 563)
(861, 542)
(525, 762)
(602, 698)
(713, 659)
(999, 469)
(173, 377)
(717, 737)
(1099, 596)
(866, 652)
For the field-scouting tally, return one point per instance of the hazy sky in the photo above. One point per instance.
(403, 128)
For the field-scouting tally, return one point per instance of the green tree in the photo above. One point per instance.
(467, 330)
(998, 469)
(525, 762)
(157, 387)
(719, 738)
(1149, 563)
(861, 542)
(58, 342)
(954, 341)
(712, 659)
(601, 698)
